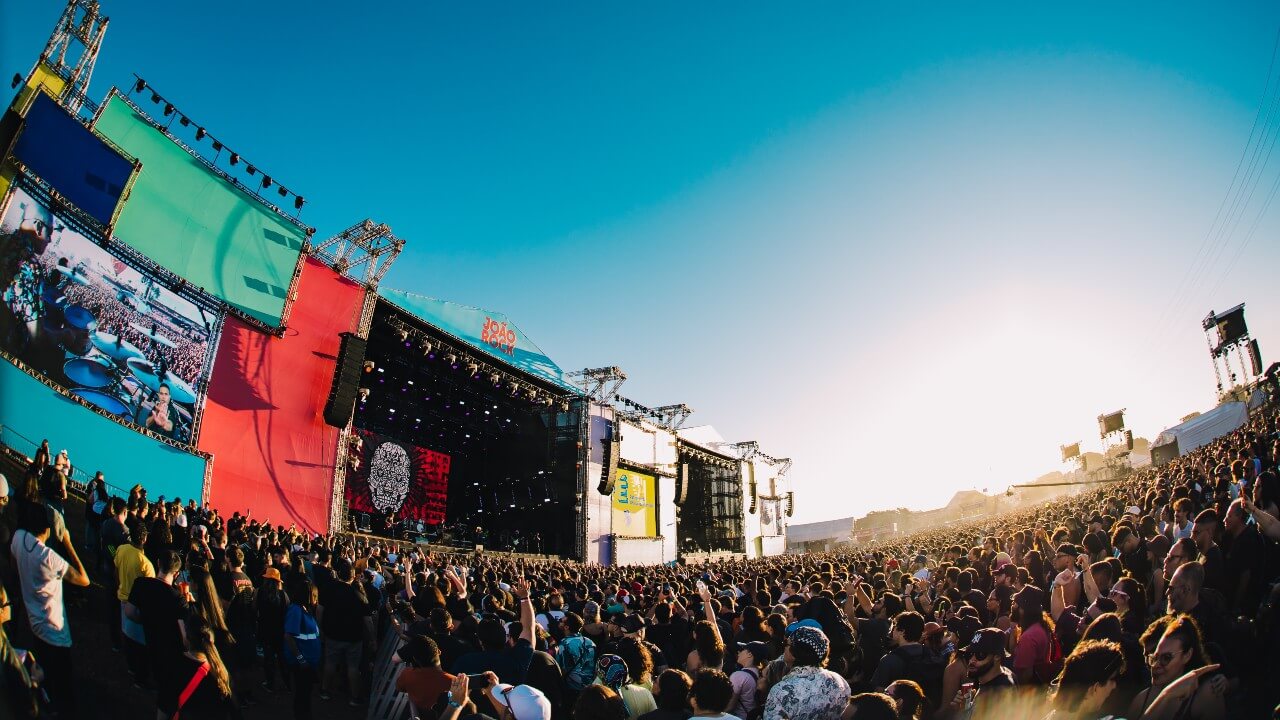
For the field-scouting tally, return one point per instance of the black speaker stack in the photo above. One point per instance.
(346, 380)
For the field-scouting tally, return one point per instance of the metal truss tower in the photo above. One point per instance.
(363, 252)
(80, 23)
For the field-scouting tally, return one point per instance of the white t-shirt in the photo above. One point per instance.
(544, 619)
(40, 571)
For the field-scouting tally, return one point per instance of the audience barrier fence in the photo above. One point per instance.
(385, 702)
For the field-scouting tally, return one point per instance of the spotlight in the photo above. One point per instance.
(16, 81)
(283, 192)
(564, 406)
(451, 359)
(217, 146)
(473, 369)
(200, 133)
(266, 181)
(495, 378)
(140, 85)
(184, 120)
(369, 366)
(515, 388)
(548, 401)
(426, 347)
(251, 169)
(533, 394)
(364, 395)
(297, 202)
(404, 335)
(235, 158)
(155, 98)
(168, 109)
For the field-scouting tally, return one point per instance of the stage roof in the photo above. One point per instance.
(187, 218)
(491, 333)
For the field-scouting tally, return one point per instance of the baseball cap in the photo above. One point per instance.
(1133, 510)
(1068, 549)
(4, 486)
(964, 626)
(812, 638)
(271, 574)
(632, 624)
(524, 702)
(759, 650)
(987, 642)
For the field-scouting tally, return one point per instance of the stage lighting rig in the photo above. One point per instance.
(364, 395)
(473, 369)
(369, 366)
(600, 384)
(451, 360)
(403, 335)
(426, 347)
(367, 245)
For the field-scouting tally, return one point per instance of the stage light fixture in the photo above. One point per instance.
(184, 120)
(200, 133)
(515, 388)
(266, 181)
(297, 202)
(495, 378)
(235, 158)
(217, 146)
(16, 81)
(548, 401)
(364, 395)
(140, 85)
(168, 109)
(403, 335)
(369, 366)
(155, 98)
(473, 369)
(251, 170)
(564, 406)
(451, 360)
(283, 192)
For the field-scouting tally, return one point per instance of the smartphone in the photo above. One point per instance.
(702, 587)
(477, 682)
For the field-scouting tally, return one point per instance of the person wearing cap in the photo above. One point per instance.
(514, 702)
(271, 605)
(752, 657)
(809, 691)
(634, 626)
(1133, 551)
(986, 655)
(614, 673)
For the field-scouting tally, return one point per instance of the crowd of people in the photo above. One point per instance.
(1151, 597)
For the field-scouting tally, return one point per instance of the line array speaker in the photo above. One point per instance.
(346, 380)
(1255, 357)
(609, 473)
(682, 484)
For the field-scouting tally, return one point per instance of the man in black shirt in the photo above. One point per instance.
(509, 662)
(1203, 533)
(345, 623)
(162, 610)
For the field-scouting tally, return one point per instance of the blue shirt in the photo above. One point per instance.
(306, 633)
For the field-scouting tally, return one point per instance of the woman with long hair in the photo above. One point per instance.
(1131, 604)
(752, 627)
(909, 697)
(598, 702)
(302, 644)
(708, 648)
(206, 685)
(209, 607)
(1179, 650)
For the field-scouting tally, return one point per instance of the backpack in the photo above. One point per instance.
(926, 669)
(579, 668)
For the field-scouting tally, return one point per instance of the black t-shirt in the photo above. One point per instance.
(1245, 556)
(345, 608)
(161, 609)
(451, 647)
(207, 702)
(322, 575)
(1215, 570)
(511, 665)
(114, 534)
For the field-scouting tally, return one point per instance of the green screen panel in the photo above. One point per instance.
(185, 217)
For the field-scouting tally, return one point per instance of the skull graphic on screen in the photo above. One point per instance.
(389, 472)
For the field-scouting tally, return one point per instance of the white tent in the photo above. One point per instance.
(1198, 431)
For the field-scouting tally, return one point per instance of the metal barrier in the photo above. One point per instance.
(385, 702)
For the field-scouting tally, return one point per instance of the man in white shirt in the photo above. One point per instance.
(41, 572)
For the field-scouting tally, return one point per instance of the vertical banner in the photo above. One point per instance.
(633, 505)
(400, 478)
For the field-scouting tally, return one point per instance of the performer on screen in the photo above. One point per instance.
(162, 418)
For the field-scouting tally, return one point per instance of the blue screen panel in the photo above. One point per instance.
(81, 166)
(32, 411)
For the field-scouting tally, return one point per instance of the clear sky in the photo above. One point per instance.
(913, 246)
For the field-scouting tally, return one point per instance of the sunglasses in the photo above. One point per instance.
(1160, 659)
(1118, 594)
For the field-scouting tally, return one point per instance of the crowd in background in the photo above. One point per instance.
(1151, 597)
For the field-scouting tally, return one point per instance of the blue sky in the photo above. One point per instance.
(914, 247)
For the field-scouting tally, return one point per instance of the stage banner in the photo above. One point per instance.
(490, 332)
(634, 505)
(81, 166)
(93, 324)
(400, 478)
(192, 221)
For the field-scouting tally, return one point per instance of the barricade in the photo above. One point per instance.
(385, 703)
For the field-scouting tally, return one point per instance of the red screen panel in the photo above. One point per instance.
(392, 476)
(264, 419)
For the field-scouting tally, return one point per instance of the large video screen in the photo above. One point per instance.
(633, 504)
(98, 327)
(400, 479)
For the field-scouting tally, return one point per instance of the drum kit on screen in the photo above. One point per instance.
(115, 375)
